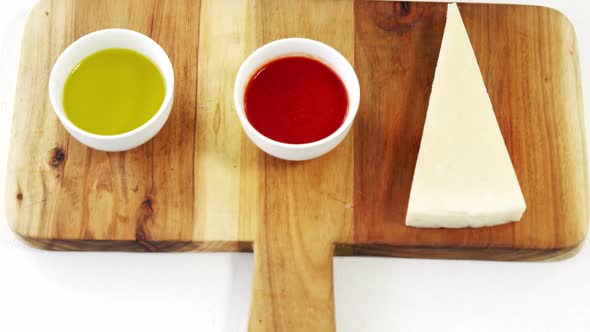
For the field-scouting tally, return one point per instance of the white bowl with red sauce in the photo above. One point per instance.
(296, 98)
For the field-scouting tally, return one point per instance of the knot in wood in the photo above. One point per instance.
(399, 17)
(57, 157)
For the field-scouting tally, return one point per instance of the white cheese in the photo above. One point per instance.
(463, 176)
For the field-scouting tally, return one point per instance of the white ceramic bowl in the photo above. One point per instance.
(90, 44)
(306, 47)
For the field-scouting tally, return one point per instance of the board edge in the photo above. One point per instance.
(136, 246)
(9, 212)
(457, 253)
(340, 250)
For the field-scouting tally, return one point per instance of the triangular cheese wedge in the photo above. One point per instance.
(463, 176)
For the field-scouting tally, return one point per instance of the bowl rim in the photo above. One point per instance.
(54, 89)
(353, 105)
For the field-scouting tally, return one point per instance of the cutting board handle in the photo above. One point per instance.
(293, 285)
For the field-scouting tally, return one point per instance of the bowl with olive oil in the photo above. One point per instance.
(112, 89)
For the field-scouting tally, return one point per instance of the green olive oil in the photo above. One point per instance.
(113, 91)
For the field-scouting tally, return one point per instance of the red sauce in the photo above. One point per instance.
(296, 100)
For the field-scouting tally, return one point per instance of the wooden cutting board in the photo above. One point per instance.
(201, 185)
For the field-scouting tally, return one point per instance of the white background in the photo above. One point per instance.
(56, 291)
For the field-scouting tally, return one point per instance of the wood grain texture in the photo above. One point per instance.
(308, 205)
(201, 185)
(202, 180)
(61, 189)
(229, 172)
